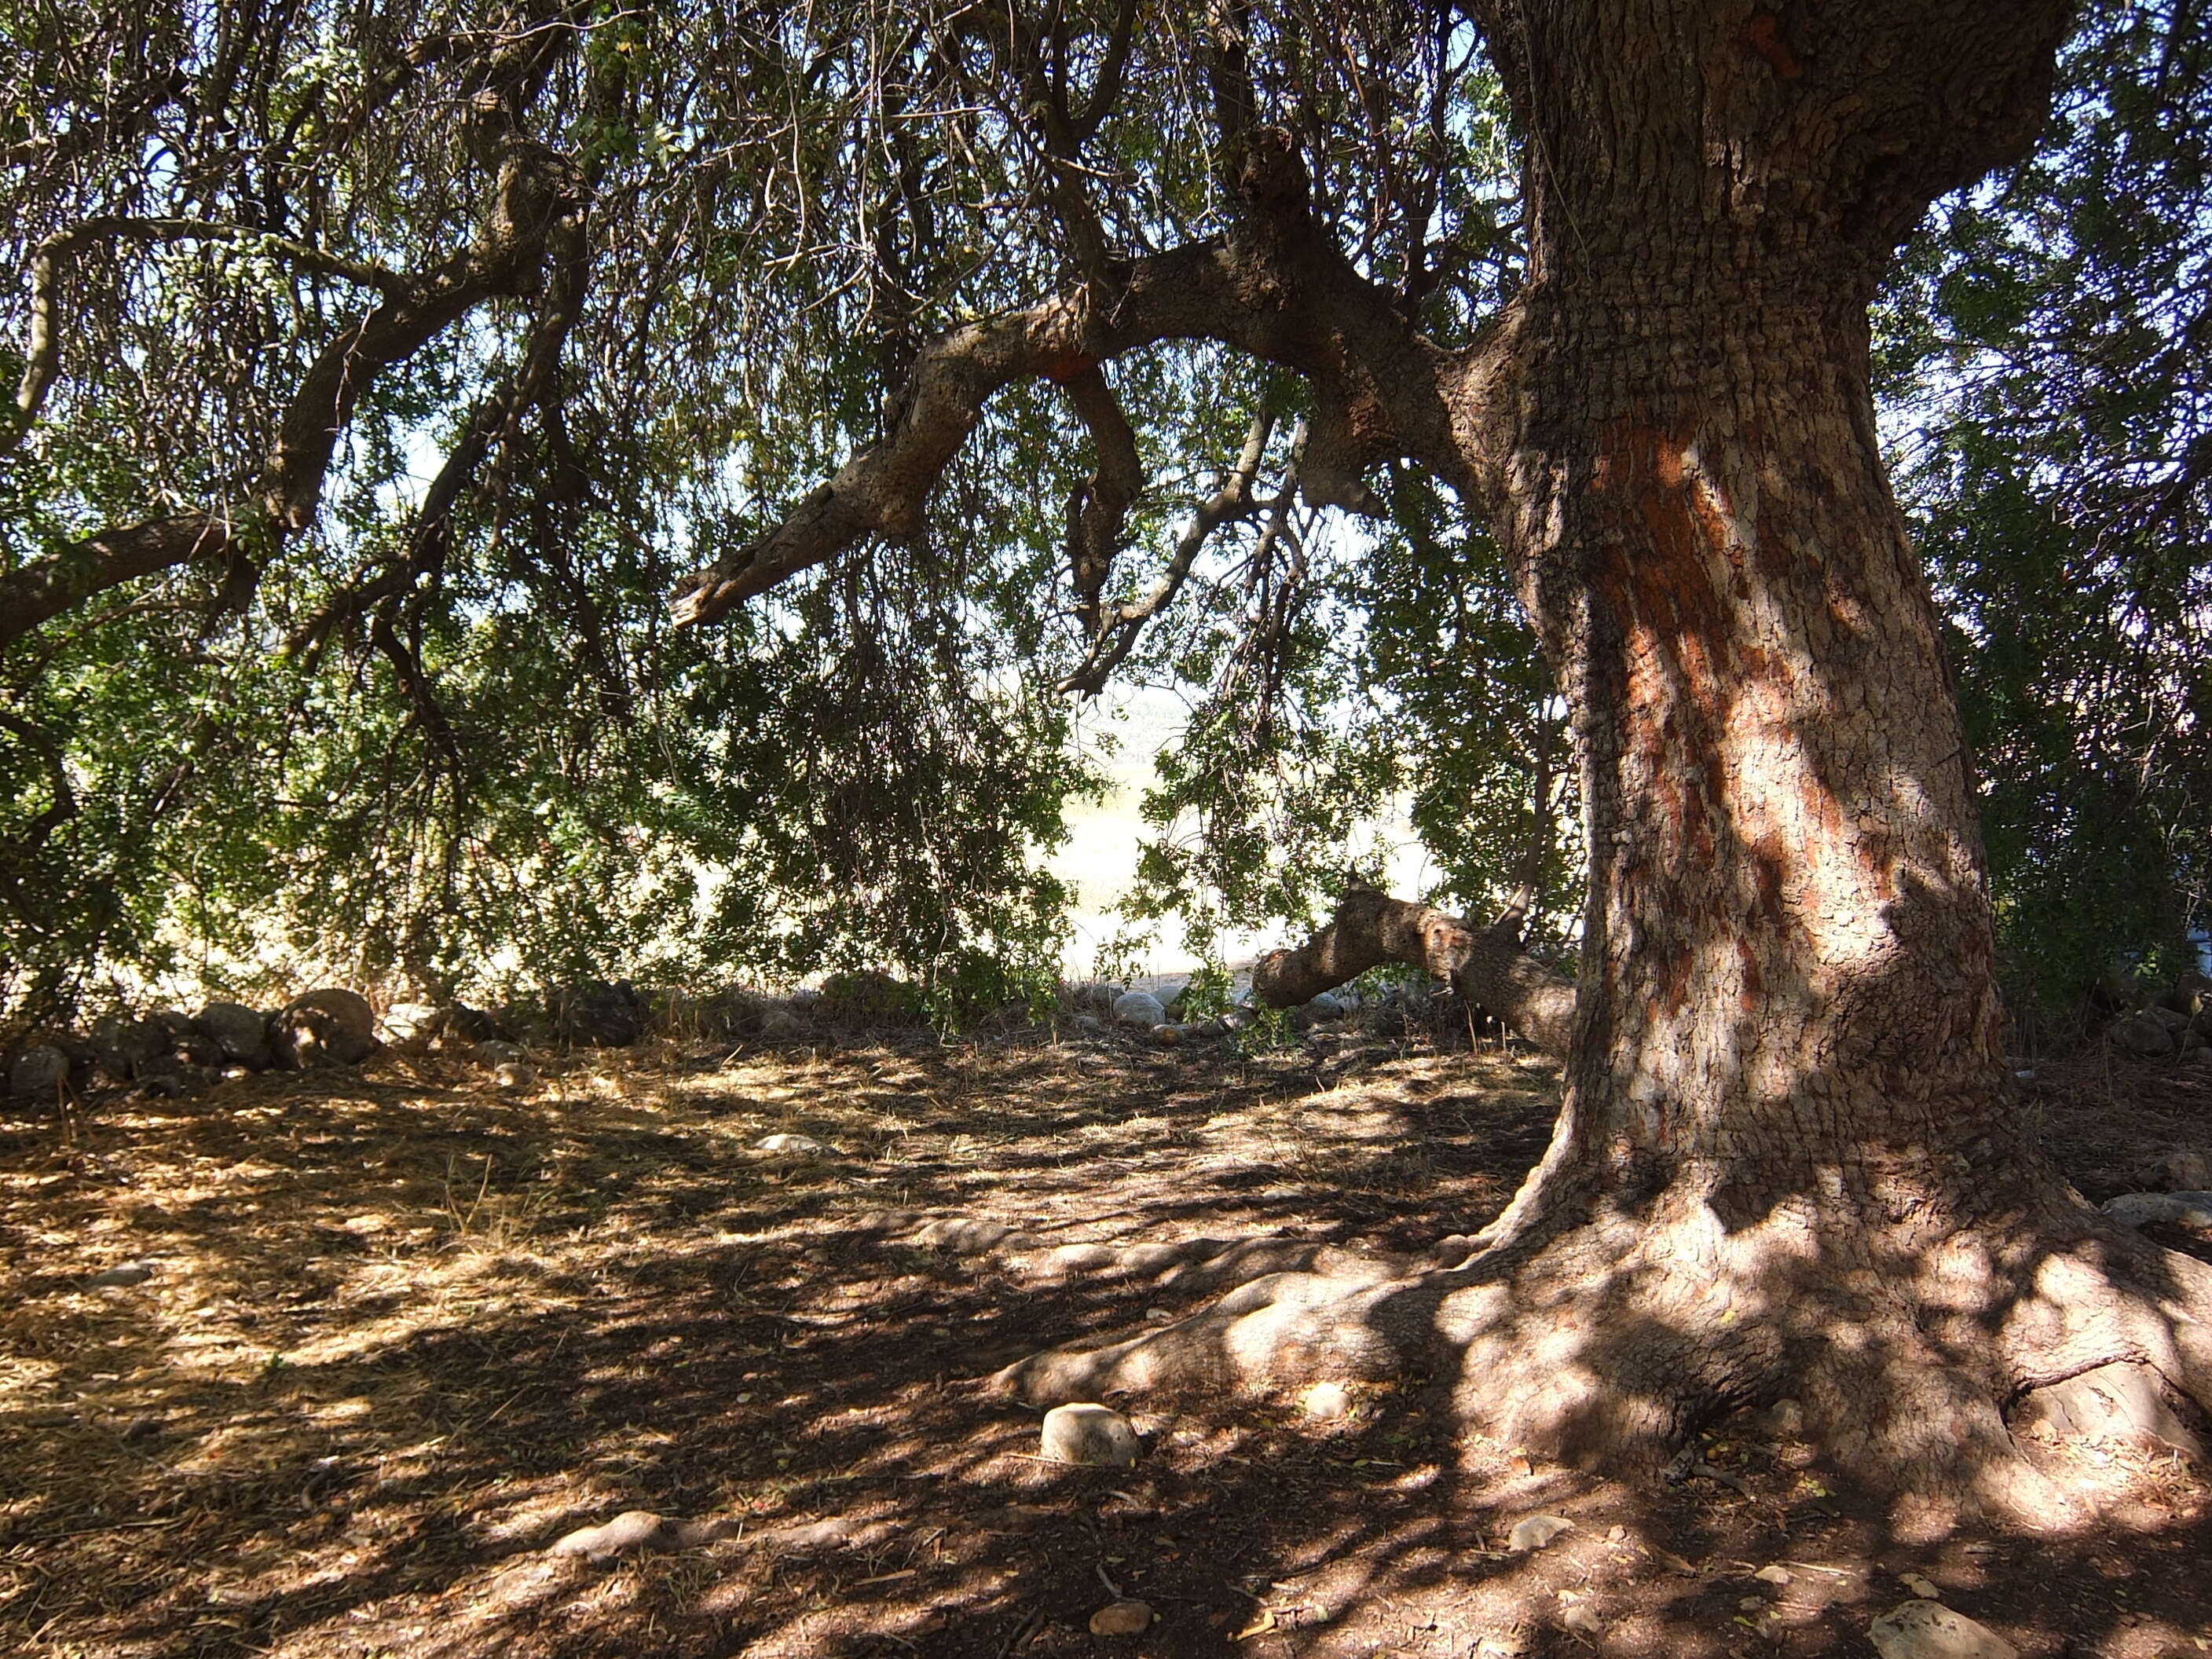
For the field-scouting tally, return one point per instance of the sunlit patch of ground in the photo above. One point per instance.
(396, 1333)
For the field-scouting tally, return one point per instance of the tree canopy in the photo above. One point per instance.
(382, 375)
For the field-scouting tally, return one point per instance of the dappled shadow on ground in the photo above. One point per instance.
(396, 1334)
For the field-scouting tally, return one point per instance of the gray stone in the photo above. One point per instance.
(165, 1077)
(330, 1027)
(1324, 1402)
(1928, 1630)
(1327, 1005)
(2184, 1172)
(1536, 1531)
(197, 1049)
(2141, 1035)
(1139, 1008)
(122, 1045)
(964, 1236)
(130, 1272)
(635, 1532)
(1093, 1435)
(39, 1073)
(2142, 1209)
(243, 1033)
(1583, 1619)
(792, 1146)
(412, 1027)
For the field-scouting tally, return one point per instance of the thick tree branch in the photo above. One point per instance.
(1279, 290)
(47, 588)
(1486, 963)
(537, 204)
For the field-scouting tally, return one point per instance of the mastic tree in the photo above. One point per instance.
(951, 344)
(1789, 1158)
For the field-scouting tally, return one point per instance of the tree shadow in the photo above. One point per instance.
(399, 1339)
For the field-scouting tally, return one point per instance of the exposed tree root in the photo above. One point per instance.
(1612, 1340)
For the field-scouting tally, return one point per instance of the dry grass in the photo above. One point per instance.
(398, 1333)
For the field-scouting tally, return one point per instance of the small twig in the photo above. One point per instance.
(1030, 1626)
(125, 1526)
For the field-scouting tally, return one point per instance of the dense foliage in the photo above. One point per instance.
(2046, 351)
(415, 712)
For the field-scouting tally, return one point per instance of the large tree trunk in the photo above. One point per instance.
(1789, 1160)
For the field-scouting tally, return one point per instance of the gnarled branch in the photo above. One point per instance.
(537, 204)
(1096, 515)
(1279, 290)
(1488, 965)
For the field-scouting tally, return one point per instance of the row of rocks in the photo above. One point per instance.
(1144, 1010)
(2160, 1032)
(171, 1052)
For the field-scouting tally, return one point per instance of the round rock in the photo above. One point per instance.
(243, 1033)
(330, 1027)
(792, 1146)
(40, 1072)
(1094, 1435)
(1128, 1617)
(1928, 1630)
(411, 1027)
(1326, 1402)
(1139, 1008)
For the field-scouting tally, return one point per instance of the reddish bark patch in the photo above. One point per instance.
(1760, 35)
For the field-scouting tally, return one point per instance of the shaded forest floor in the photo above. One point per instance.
(370, 1341)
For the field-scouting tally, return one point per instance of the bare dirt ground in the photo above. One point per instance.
(380, 1338)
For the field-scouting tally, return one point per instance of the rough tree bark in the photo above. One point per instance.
(1788, 1162)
